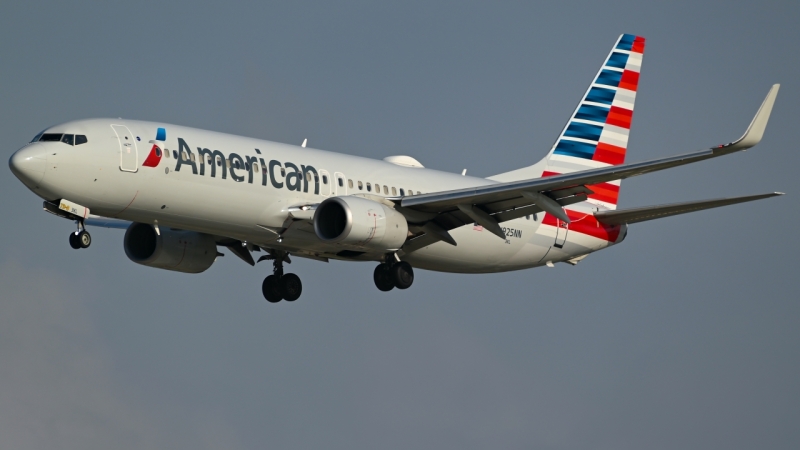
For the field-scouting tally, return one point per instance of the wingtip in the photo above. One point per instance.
(758, 125)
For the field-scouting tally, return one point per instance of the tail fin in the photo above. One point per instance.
(597, 132)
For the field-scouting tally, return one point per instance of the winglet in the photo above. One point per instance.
(756, 129)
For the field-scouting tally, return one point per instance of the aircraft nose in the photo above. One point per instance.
(28, 164)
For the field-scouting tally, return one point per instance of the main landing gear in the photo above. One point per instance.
(80, 238)
(391, 274)
(280, 286)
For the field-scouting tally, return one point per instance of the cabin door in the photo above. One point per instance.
(128, 154)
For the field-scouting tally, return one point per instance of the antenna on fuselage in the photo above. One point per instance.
(305, 141)
(463, 172)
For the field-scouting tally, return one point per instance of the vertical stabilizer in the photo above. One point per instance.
(596, 134)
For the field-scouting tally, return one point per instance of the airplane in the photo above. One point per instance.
(180, 193)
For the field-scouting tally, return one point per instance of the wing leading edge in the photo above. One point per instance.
(439, 202)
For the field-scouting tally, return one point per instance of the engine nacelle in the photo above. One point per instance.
(360, 223)
(181, 251)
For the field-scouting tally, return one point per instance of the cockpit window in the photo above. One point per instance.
(69, 139)
(51, 137)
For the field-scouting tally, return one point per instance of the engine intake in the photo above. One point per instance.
(181, 251)
(360, 223)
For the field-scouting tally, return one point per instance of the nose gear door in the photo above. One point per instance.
(128, 153)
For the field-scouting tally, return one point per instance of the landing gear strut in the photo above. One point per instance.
(280, 286)
(393, 274)
(80, 238)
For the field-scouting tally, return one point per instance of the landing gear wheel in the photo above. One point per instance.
(84, 239)
(291, 287)
(73, 241)
(402, 275)
(383, 278)
(271, 288)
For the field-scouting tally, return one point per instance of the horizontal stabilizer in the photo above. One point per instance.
(656, 212)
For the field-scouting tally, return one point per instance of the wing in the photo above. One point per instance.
(492, 204)
(656, 212)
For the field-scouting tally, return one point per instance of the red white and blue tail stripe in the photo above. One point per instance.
(597, 133)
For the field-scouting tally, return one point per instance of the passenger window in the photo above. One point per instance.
(360, 186)
(386, 189)
(283, 172)
(191, 157)
(341, 182)
(402, 192)
(175, 154)
(80, 139)
(308, 177)
(350, 183)
(219, 161)
(50, 137)
(369, 187)
(255, 167)
(394, 191)
(324, 179)
(68, 139)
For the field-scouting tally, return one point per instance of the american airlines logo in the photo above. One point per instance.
(214, 163)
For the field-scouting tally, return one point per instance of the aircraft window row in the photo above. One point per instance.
(69, 139)
(378, 188)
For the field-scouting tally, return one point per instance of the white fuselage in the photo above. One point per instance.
(251, 204)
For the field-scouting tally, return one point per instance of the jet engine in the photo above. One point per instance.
(181, 251)
(360, 223)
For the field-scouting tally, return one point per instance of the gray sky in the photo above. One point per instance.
(685, 336)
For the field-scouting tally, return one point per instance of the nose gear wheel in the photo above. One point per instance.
(81, 238)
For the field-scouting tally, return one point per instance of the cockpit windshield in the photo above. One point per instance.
(69, 139)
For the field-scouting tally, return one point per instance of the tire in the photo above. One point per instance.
(73, 241)
(291, 287)
(383, 279)
(84, 239)
(271, 289)
(402, 275)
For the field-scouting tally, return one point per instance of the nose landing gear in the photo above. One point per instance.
(280, 286)
(80, 238)
(390, 275)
